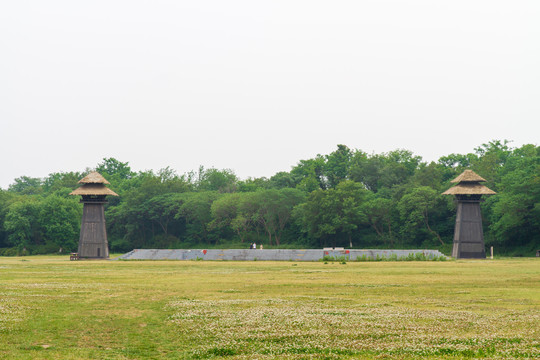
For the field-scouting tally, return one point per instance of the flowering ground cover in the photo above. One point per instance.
(51, 308)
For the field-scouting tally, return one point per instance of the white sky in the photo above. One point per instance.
(256, 86)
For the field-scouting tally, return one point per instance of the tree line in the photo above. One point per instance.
(347, 198)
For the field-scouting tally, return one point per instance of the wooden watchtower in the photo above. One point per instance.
(468, 232)
(93, 239)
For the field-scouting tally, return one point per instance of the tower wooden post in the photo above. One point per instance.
(93, 237)
(468, 232)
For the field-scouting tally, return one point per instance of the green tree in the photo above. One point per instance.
(61, 183)
(253, 184)
(431, 175)
(337, 165)
(282, 180)
(246, 220)
(113, 168)
(348, 200)
(378, 211)
(134, 220)
(224, 211)
(516, 208)
(22, 223)
(367, 170)
(491, 158)
(60, 220)
(456, 161)
(309, 174)
(6, 199)
(161, 209)
(400, 166)
(195, 209)
(273, 209)
(387, 170)
(334, 213)
(224, 181)
(415, 209)
(26, 185)
(311, 216)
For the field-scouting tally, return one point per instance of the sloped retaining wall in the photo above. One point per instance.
(268, 255)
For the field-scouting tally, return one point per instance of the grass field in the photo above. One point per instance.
(51, 308)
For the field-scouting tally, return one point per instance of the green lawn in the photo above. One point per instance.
(51, 308)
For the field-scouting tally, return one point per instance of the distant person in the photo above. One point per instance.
(254, 246)
(261, 247)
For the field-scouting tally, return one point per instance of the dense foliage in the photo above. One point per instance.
(346, 198)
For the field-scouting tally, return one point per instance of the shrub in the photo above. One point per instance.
(409, 257)
(9, 252)
(341, 259)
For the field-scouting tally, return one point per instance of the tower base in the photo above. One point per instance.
(93, 238)
(468, 233)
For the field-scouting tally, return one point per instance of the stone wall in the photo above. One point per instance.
(268, 255)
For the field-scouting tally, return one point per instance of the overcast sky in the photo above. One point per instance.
(256, 86)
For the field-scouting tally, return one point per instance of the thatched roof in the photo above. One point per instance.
(93, 178)
(465, 188)
(93, 184)
(468, 176)
(93, 189)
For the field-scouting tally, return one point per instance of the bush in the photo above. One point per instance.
(121, 245)
(9, 252)
(409, 257)
(341, 259)
(47, 248)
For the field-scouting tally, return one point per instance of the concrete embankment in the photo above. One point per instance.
(271, 254)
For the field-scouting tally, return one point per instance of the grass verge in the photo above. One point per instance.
(51, 308)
